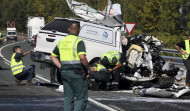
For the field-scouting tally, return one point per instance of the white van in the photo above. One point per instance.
(11, 34)
(98, 38)
(33, 26)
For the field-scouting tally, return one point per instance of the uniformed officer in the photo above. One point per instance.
(113, 60)
(19, 71)
(1, 39)
(73, 64)
(183, 48)
(99, 76)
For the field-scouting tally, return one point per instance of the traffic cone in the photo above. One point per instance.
(22, 36)
(19, 38)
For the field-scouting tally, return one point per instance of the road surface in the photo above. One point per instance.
(45, 98)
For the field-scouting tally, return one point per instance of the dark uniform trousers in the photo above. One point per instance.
(74, 86)
(187, 65)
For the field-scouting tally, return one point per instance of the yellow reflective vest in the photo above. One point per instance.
(110, 55)
(99, 67)
(68, 50)
(187, 50)
(0, 36)
(16, 67)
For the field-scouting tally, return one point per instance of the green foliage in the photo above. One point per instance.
(155, 17)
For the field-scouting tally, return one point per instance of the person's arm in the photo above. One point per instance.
(85, 63)
(56, 61)
(116, 67)
(24, 54)
(179, 49)
(54, 58)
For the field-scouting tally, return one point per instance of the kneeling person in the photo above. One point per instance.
(19, 71)
(99, 76)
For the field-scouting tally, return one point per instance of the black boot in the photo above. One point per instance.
(115, 87)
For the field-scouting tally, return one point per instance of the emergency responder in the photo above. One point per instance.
(19, 71)
(1, 39)
(99, 76)
(113, 61)
(183, 48)
(74, 69)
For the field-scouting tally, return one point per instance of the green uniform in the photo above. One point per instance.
(69, 49)
(101, 75)
(184, 45)
(110, 59)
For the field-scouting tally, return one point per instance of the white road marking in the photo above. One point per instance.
(101, 105)
(146, 99)
(44, 79)
(119, 109)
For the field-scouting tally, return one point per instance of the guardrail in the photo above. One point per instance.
(170, 51)
(174, 60)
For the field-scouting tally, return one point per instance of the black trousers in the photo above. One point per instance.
(187, 65)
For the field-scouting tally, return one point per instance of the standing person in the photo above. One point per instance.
(183, 48)
(72, 54)
(19, 71)
(1, 39)
(113, 61)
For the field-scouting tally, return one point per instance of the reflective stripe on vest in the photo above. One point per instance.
(68, 50)
(187, 50)
(110, 55)
(16, 67)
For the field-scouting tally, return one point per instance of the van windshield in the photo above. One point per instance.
(11, 33)
(60, 25)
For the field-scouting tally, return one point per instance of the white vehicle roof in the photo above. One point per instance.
(11, 29)
(36, 21)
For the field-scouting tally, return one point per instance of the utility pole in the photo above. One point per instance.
(98, 4)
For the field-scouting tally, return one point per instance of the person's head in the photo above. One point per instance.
(74, 28)
(17, 49)
(188, 37)
(104, 61)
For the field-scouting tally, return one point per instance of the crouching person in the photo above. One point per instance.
(19, 71)
(99, 77)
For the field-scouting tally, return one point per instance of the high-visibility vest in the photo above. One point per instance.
(68, 50)
(100, 67)
(16, 67)
(0, 36)
(187, 50)
(110, 55)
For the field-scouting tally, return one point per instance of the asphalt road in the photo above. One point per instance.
(45, 98)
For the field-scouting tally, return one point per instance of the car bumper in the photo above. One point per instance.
(40, 57)
(12, 37)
